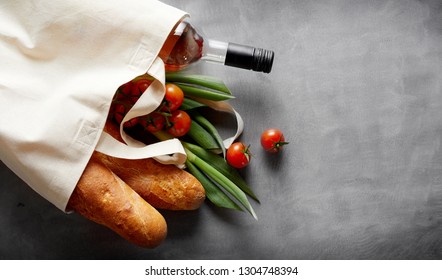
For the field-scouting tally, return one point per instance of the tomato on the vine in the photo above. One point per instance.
(153, 122)
(179, 123)
(173, 98)
(120, 111)
(273, 140)
(238, 155)
(138, 88)
(124, 90)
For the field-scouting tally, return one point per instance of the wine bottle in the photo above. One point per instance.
(185, 46)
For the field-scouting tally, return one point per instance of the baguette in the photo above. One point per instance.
(163, 186)
(104, 198)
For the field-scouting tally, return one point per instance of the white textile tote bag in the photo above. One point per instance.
(61, 62)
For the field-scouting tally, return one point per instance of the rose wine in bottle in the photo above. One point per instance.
(185, 46)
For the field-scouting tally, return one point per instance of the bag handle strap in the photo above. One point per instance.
(166, 152)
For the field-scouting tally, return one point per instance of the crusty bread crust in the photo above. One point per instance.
(122, 194)
(163, 186)
(104, 198)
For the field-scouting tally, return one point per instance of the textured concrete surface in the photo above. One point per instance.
(357, 88)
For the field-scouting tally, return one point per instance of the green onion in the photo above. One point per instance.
(213, 192)
(223, 184)
(202, 137)
(202, 81)
(189, 104)
(222, 166)
(222, 180)
(195, 91)
(215, 171)
(205, 123)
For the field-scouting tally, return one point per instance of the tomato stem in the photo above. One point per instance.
(279, 144)
(247, 153)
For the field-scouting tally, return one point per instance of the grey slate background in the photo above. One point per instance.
(357, 88)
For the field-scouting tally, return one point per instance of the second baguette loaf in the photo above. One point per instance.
(163, 186)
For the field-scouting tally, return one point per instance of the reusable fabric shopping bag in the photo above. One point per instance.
(60, 64)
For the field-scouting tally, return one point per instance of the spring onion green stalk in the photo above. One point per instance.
(202, 137)
(213, 192)
(202, 81)
(194, 91)
(223, 184)
(210, 169)
(222, 180)
(222, 166)
(189, 104)
(205, 123)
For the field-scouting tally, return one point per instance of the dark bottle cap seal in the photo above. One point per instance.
(250, 58)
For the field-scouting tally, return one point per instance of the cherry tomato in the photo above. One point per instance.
(153, 122)
(126, 89)
(238, 155)
(272, 140)
(119, 113)
(173, 98)
(138, 88)
(121, 95)
(179, 123)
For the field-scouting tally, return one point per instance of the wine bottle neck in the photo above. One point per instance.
(239, 56)
(214, 51)
(251, 58)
